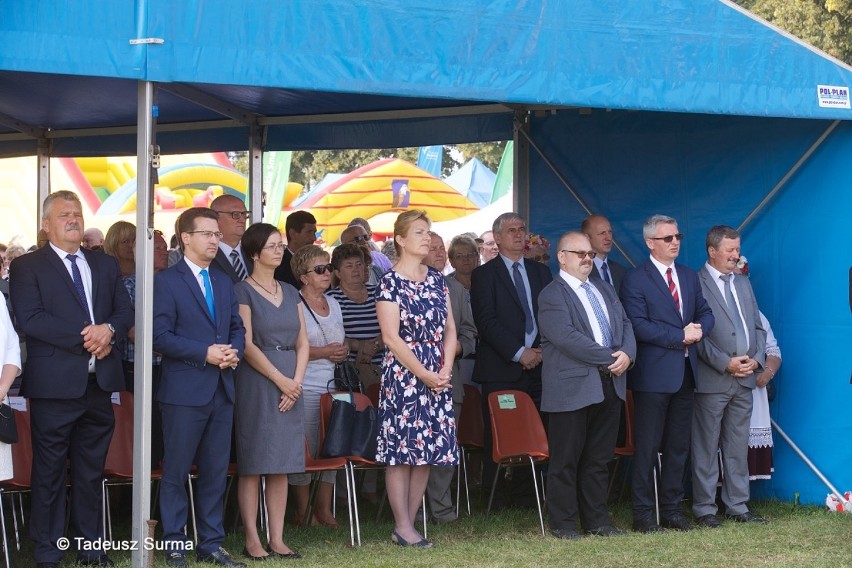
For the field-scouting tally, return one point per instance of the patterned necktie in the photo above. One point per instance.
(78, 281)
(603, 322)
(605, 272)
(208, 293)
(522, 296)
(238, 265)
(739, 330)
(673, 289)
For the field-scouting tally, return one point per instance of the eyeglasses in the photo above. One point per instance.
(275, 248)
(668, 239)
(322, 268)
(582, 253)
(360, 238)
(235, 215)
(207, 234)
(467, 256)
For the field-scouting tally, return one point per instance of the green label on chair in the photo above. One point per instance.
(506, 401)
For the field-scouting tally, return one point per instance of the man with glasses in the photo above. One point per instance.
(232, 215)
(669, 315)
(587, 346)
(301, 229)
(599, 231)
(504, 298)
(198, 331)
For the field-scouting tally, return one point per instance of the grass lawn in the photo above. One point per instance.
(796, 536)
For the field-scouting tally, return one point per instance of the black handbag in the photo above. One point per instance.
(350, 432)
(8, 427)
(346, 377)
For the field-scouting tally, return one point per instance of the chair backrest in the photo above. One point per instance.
(373, 393)
(627, 449)
(471, 430)
(516, 426)
(119, 459)
(22, 451)
(362, 401)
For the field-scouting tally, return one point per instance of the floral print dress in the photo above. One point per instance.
(416, 426)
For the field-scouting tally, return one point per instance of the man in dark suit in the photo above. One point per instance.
(301, 229)
(72, 306)
(669, 316)
(599, 231)
(232, 215)
(587, 346)
(729, 358)
(504, 298)
(198, 331)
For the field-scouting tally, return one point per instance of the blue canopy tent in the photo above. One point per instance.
(688, 107)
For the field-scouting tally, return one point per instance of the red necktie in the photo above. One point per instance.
(673, 289)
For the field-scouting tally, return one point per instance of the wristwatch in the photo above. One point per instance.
(112, 329)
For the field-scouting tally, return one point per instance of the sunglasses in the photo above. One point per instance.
(582, 253)
(361, 239)
(322, 268)
(668, 239)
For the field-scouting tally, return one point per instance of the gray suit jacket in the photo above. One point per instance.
(570, 356)
(717, 347)
(465, 330)
(617, 271)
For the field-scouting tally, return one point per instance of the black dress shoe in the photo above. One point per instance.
(606, 530)
(566, 534)
(102, 560)
(252, 557)
(292, 555)
(677, 522)
(646, 526)
(747, 517)
(708, 521)
(221, 558)
(176, 559)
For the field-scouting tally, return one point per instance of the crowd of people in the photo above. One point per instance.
(249, 326)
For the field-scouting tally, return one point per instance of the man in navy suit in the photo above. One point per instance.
(301, 230)
(669, 315)
(72, 306)
(198, 330)
(509, 352)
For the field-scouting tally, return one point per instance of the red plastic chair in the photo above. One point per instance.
(318, 465)
(20, 483)
(373, 393)
(627, 450)
(518, 437)
(470, 436)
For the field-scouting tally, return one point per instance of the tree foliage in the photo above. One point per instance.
(822, 23)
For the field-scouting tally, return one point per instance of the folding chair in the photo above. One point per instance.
(518, 437)
(471, 437)
(628, 449)
(318, 465)
(20, 483)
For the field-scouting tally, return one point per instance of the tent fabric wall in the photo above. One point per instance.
(708, 170)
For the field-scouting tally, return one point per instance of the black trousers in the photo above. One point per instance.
(662, 423)
(582, 443)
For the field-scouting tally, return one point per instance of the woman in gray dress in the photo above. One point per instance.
(270, 432)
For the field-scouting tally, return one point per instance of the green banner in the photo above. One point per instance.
(505, 173)
(276, 174)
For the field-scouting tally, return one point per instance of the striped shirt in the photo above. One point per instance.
(359, 320)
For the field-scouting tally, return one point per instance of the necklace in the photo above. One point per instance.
(273, 294)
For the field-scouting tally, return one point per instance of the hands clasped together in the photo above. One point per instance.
(96, 340)
(223, 356)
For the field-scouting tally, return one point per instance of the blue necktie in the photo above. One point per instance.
(605, 272)
(78, 281)
(208, 293)
(522, 296)
(603, 322)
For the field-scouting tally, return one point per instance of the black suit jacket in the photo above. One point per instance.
(223, 263)
(617, 271)
(49, 312)
(285, 273)
(500, 318)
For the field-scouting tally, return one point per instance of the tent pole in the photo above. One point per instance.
(788, 175)
(570, 189)
(808, 462)
(255, 183)
(521, 165)
(147, 156)
(45, 148)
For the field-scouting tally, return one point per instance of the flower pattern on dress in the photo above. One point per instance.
(418, 427)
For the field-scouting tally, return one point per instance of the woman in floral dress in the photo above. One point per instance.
(417, 426)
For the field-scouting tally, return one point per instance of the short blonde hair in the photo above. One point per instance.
(403, 223)
(119, 231)
(301, 262)
(461, 242)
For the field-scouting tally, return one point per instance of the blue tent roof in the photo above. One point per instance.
(418, 72)
(475, 181)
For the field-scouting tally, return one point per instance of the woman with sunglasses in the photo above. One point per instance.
(324, 326)
(268, 411)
